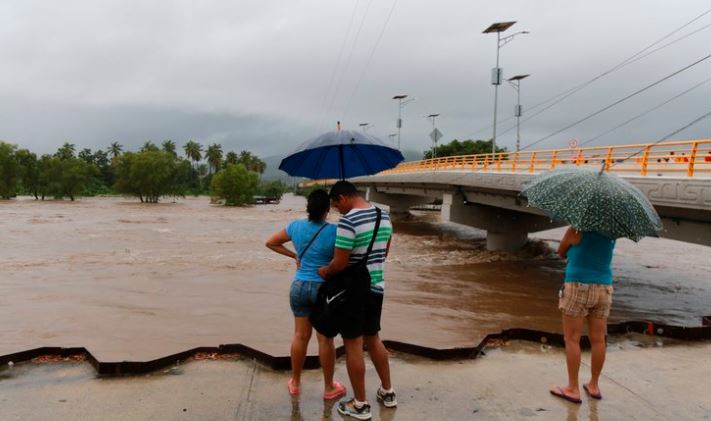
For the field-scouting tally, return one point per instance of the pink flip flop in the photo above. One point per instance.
(293, 389)
(597, 396)
(338, 392)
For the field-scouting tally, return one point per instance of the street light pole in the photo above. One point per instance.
(434, 134)
(398, 123)
(518, 110)
(496, 80)
(400, 104)
(497, 72)
(364, 126)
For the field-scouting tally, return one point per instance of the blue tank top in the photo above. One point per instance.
(590, 260)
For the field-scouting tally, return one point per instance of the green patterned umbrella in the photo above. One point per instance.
(589, 200)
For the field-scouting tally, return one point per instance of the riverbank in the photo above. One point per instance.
(642, 381)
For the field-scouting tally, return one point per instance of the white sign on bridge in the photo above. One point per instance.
(435, 135)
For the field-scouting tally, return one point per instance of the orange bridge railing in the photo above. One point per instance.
(686, 158)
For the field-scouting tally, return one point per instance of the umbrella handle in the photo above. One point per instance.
(343, 162)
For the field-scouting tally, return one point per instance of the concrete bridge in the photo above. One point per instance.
(483, 190)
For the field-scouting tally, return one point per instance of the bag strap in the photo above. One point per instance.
(312, 240)
(375, 234)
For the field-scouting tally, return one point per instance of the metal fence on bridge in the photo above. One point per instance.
(679, 158)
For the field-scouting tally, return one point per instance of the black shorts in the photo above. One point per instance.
(362, 318)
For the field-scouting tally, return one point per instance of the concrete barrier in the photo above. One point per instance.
(128, 368)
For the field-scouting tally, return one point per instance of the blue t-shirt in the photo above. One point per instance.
(589, 261)
(319, 253)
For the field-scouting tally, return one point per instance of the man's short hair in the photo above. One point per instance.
(343, 188)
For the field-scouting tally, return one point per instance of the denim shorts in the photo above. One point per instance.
(302, 297)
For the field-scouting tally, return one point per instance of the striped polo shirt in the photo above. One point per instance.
(354, 232)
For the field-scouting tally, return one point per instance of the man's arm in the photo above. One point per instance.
(345, 241)
(338, 263)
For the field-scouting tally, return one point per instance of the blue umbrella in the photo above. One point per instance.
(341, 154)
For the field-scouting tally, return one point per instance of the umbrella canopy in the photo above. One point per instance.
(341, 154)
(589, 200)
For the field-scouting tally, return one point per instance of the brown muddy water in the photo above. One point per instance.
(133, 281)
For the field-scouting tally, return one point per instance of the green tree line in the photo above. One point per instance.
(465, 147)
(149, 173)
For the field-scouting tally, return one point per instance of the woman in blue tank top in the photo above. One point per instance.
(314, 239)
(586, 296)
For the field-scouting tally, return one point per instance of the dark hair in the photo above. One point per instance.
(343, 188)
(317, 204)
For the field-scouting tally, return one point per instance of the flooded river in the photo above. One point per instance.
(138, 281)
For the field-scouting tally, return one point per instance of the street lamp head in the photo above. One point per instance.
(433, 115)
(408, 101)
(518, 77)
(400, 97)
(498, 27)
(363, 124)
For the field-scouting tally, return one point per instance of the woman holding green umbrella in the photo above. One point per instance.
(599, 208)
(585, 296)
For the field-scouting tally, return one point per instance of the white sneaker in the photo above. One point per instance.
(388, 399)
(348, 408)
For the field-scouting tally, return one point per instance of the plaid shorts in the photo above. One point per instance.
(580, 300)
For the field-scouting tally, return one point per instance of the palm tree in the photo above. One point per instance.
(214, 157)
(115, 149)
(252, 162)
(169, 146)
(66, 151)
(259, 165)
(202, 170)
(231, 158)
(149, 147)
(86, 155)
(193, 151)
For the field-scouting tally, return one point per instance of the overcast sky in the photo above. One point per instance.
(267, 75)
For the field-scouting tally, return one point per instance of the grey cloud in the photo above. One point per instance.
(257, 73)
(43, 127)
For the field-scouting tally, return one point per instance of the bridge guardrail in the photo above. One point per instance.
(689, 157)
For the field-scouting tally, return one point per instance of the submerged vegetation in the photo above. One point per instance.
(150, 173)
(236, 185)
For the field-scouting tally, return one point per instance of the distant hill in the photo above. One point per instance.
(274, 173)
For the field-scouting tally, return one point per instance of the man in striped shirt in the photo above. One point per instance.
(353, 236)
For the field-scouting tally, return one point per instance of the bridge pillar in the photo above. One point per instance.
(505, 229)
(398, 203)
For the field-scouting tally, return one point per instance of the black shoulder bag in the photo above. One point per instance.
(342, 292)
